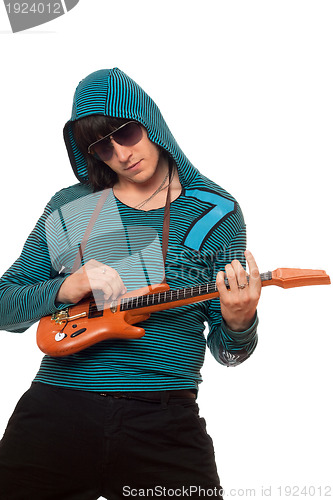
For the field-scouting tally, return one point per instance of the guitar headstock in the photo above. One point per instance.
(288, 277)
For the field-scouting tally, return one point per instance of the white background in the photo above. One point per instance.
(246, 88)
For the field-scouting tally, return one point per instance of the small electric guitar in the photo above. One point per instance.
(80, 326)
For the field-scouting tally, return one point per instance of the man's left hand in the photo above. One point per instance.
(239, 302)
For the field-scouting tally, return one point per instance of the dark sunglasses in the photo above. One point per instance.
(128, 134)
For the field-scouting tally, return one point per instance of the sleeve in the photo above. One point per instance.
(228, 347)
(29, 288)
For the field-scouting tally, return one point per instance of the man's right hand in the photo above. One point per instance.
(91, 277)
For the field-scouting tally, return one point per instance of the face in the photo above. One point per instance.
(137, 164)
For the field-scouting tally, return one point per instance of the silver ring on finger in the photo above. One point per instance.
(242, 286)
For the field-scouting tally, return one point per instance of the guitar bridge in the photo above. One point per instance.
(63, 316)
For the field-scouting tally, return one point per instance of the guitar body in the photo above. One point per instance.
(81, 329)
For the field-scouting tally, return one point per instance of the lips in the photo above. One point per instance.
(133, 165)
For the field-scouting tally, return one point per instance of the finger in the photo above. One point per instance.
(100, 288)
(107, 281)
(240, 273)
(113, 289)
(253, 269)
(220, 283)
(232, 278)
(112, 277)
(117, 283)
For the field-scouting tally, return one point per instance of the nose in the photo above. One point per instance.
(123, 153)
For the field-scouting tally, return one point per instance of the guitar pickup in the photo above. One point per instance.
(78, 332)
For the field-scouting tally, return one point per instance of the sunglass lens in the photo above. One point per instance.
(103, 149)
(129, 135)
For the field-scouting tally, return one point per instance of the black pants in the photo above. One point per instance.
(64, 444)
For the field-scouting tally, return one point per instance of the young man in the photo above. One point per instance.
(119, 418)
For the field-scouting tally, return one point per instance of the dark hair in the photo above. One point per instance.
(88, 130)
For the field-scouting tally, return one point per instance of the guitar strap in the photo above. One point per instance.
(102, 199)
(166, 220)
(79, 256)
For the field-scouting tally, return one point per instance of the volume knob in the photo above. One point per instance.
(60, 336)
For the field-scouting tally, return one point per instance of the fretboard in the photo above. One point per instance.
(178, 294)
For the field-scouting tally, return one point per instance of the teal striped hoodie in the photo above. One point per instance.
(207, 231)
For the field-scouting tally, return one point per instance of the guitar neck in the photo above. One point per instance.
(178, 297)
(283, 277)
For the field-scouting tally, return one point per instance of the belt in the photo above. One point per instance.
(153, 395)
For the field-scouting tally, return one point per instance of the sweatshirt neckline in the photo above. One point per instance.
(146, 211)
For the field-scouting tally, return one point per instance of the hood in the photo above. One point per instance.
(110, 92)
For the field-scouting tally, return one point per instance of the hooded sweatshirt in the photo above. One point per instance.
(207, 231)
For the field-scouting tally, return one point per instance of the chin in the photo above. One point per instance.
(144, 176)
